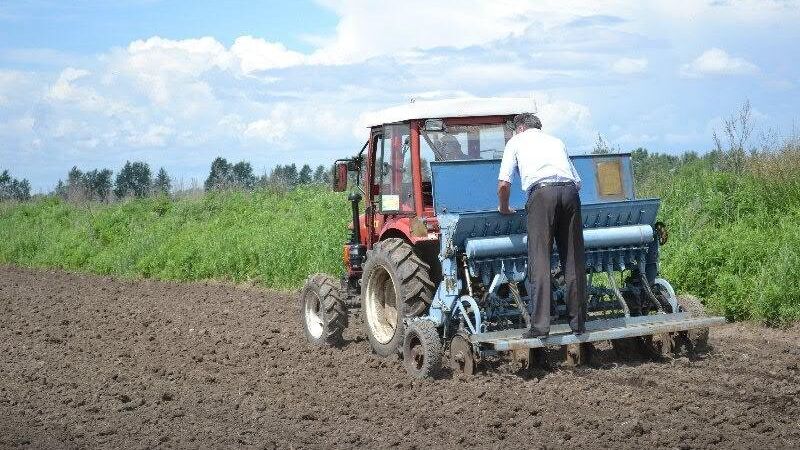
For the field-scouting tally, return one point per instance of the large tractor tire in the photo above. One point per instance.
(322, 310)
(395, 285)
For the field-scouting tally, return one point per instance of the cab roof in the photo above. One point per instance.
(455, 107)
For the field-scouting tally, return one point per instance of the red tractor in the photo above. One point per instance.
(435, 268)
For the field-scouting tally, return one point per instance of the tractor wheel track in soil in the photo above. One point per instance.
(98, 362)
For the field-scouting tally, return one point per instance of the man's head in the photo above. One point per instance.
(525, 121)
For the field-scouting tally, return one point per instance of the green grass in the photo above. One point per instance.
(734, 239)
(272, 238)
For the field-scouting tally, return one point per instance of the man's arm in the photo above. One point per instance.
(503, 193)
(507, 167)
(574, 172)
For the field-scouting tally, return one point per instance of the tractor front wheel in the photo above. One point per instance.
(395, 285)
(322, 310)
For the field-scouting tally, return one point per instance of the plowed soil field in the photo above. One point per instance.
(95, 362)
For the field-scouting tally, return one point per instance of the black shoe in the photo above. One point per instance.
(579, 332)
(531, 333)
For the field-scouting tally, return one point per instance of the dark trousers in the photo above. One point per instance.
(555, 212)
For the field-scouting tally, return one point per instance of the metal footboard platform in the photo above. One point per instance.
(596, 330)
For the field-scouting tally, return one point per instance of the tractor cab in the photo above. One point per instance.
(403, 143)
(394, 174)
(403, 153)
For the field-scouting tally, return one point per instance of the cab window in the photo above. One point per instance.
(462, 142)
(394, 170)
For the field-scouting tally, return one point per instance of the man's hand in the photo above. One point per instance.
(503, 193)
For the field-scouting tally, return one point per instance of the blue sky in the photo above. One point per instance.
(95, 83)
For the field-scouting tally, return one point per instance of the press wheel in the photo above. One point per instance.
(422, 349)
(695, 340)
(462, 356)
(657, 345)
(579, 354)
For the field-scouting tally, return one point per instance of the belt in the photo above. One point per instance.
(542, 184)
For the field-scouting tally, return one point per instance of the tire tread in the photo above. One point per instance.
(332, 304)
(415, 290)
(432, 344)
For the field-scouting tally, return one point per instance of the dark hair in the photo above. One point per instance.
(527, 120)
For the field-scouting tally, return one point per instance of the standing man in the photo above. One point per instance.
(553, 211)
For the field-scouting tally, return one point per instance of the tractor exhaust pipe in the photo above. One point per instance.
(355, 236)
(355, 251)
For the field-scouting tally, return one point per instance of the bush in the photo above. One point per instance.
(273, 238)
(733, 239)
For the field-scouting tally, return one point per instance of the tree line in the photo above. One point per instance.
(136, 180)
(14, 189)
(224, 175)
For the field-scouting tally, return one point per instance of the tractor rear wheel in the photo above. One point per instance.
(322, 310)
(395, 285)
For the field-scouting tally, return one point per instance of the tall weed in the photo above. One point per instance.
(734, 240)
(273, 238)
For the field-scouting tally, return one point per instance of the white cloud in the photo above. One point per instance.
(21, 125)
(306, 121)
(63, 88)
(254, 97)
(163, 68)
(74, 89)
(204, 53)
(717, 62)
(564, 117)
(635, 139)
(156, 135)
(270, 130)
(9, 78)
(367, 29)
(492, 73)
(629, 66)
(257, 54)
(10, 82)
(438, 94)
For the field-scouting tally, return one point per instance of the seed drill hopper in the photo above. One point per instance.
(439, 275)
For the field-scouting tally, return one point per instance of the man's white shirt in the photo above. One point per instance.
(537, 157)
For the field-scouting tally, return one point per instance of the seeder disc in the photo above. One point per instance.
(462, 358)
